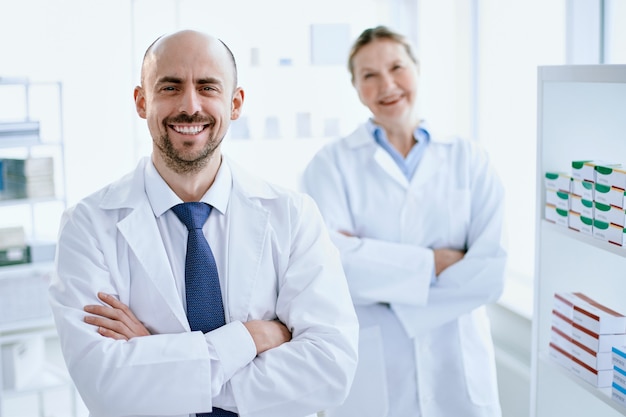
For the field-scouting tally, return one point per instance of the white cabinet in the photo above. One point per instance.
(581, 116)
(31, 127)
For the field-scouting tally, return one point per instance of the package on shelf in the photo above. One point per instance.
(561, 322)
(559, 355)
(585, 170)
(580, 223)
(596, 342)
(559, 199)
(609, 213)
(583, 189)
(619, 356)
(559, 181)
(608, 232)
(22, 361)
(581, 205)
(599, 361)
(611, 176)
(27, 178)
(561, 339)
(556, 215)
(598, 378)
(618, 393)
(12, 236)
(14, 255)
(597, 317)
(609, 195)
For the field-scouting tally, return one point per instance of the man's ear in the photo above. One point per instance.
(140, 102)
(237, 104)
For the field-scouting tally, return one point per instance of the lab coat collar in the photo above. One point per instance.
(248, 218)
(431, 162)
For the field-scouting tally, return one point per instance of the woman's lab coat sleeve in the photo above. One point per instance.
(407, 269)
(477, 279)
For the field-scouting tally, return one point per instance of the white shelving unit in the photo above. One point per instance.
(25, 317)
(581, 115)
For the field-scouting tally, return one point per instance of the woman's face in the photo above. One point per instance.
(386, 80)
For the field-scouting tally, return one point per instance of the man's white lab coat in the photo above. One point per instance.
(281, 264)
(441, 330)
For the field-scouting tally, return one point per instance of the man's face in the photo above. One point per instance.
(188, 98)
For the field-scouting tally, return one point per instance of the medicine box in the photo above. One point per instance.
(563, 303)
(597, 378)
(608, 232)
(581, 205)
(597, 317)
(556, 215)
(596, 342)
(613, 176)
(583, 189)
(595, 360)
(560, 199)
(584, 170)
(609, 214)
(560, 356)
(619, 356)
(580, 223)
(608, 195)
(561, 339)
(618, 393)
(562, 323)
(557, 181)
(619, 376)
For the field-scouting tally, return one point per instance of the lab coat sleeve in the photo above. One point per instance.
(477, 279)
(161, 374)
(313, 371)
(407, 269)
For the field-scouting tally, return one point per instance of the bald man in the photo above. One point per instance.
(289, 339)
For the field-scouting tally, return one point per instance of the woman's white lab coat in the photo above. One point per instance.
(440, 330)
(281, 264)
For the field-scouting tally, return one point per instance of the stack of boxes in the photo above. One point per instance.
(592, 200)
(26, 178)
(583, 335)
(618, 388)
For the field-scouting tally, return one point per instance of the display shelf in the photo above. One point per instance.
(590, 240)
(26, 323)
(603, 394)
(580, 117)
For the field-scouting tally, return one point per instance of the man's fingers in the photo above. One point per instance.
(115, 326)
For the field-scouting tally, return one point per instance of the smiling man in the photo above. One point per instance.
(246, 312)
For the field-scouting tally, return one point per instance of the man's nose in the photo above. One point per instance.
(190, 102)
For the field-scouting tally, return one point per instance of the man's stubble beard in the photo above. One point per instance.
(180, 165)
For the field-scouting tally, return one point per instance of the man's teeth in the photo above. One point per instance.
(188, 130)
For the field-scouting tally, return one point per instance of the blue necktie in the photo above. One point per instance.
(205, 310)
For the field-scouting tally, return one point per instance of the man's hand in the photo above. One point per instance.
(115, 321)
(446, 257)
(267, 334)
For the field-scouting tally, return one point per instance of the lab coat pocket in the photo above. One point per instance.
(368, 395)
(478, 357)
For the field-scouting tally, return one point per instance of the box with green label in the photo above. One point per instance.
(559, 181)
(580, 223)
(608, 232)
(611, 175)
(556, 215)
(611, 195)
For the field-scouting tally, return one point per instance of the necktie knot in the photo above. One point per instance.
(193, 215)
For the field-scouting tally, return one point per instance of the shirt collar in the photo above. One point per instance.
(162, 198)
(420, 133)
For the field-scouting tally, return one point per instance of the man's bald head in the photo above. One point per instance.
(184, 37)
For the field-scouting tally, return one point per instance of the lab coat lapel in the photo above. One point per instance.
(140, 230)
(247, 238)
(388, 165)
